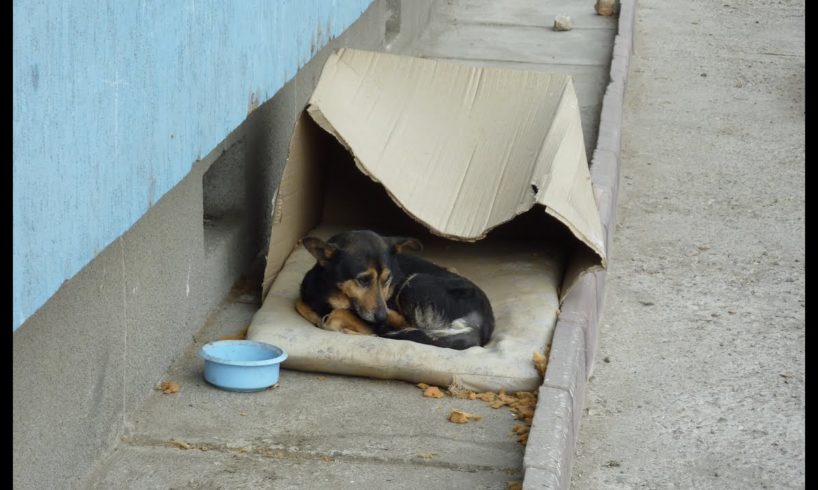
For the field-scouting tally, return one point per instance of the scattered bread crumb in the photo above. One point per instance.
(457, 391)
(433, 392)
(521, 403)
(487, 396)
(426, 455)
(169, 387)
(497, 404)
(605, 7)
(514, 485)
(461, 417)
(539, 362)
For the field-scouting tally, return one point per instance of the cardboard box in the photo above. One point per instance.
(428, 148)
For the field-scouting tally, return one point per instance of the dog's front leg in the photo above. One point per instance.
(396, 321)
(345, 321)
(308, 313)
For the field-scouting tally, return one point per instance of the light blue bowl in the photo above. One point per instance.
(241, 365)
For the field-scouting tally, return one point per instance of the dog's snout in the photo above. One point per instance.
(380, 316)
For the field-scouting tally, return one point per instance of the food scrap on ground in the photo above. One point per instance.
(522, 431)
(521, 403)
(433, 392)
(605, 7)
(456, 391)
(461, 417)
(540, 360)
(514, 485)
(486, 397)
(169, 387)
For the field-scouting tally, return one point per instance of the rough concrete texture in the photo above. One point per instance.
(519, 34)
(552, 436)
(95, 350)
(566, 367)
(47, 350)
(86, 360)
(537, 479)
(699, 380)
(156, 468)
(313, 430)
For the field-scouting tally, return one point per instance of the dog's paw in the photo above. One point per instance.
(331, 322)
(396, 321)
(345, 321)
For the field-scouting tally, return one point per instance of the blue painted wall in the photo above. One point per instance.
(115, 100)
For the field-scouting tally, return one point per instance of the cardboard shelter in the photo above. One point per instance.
(486, 166)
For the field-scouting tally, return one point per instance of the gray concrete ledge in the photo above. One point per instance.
(550, 451)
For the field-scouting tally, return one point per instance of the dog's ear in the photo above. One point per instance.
(399, 245)
(322, 251)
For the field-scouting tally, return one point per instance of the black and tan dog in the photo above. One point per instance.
(366, 284)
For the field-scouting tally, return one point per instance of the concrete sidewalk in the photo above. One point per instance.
(312, 431)
(323, 431)
(699, 379)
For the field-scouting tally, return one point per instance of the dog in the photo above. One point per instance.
(365, 283)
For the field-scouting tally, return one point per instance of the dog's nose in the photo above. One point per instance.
(380, 316)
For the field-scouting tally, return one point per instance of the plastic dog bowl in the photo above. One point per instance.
(241, 365)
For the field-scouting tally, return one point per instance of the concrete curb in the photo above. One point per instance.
(549, 454)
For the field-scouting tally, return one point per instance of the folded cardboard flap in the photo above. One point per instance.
(461, 149)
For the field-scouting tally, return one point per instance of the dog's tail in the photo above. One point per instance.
(460, 334)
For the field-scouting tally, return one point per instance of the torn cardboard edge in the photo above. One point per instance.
(461, 149)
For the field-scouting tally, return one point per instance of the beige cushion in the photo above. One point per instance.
(521, 281)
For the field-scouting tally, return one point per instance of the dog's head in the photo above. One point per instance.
(361, 264)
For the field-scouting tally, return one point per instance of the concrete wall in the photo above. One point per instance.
(114, 101)
(92, 353)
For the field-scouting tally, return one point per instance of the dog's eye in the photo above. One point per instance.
(364, 281)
